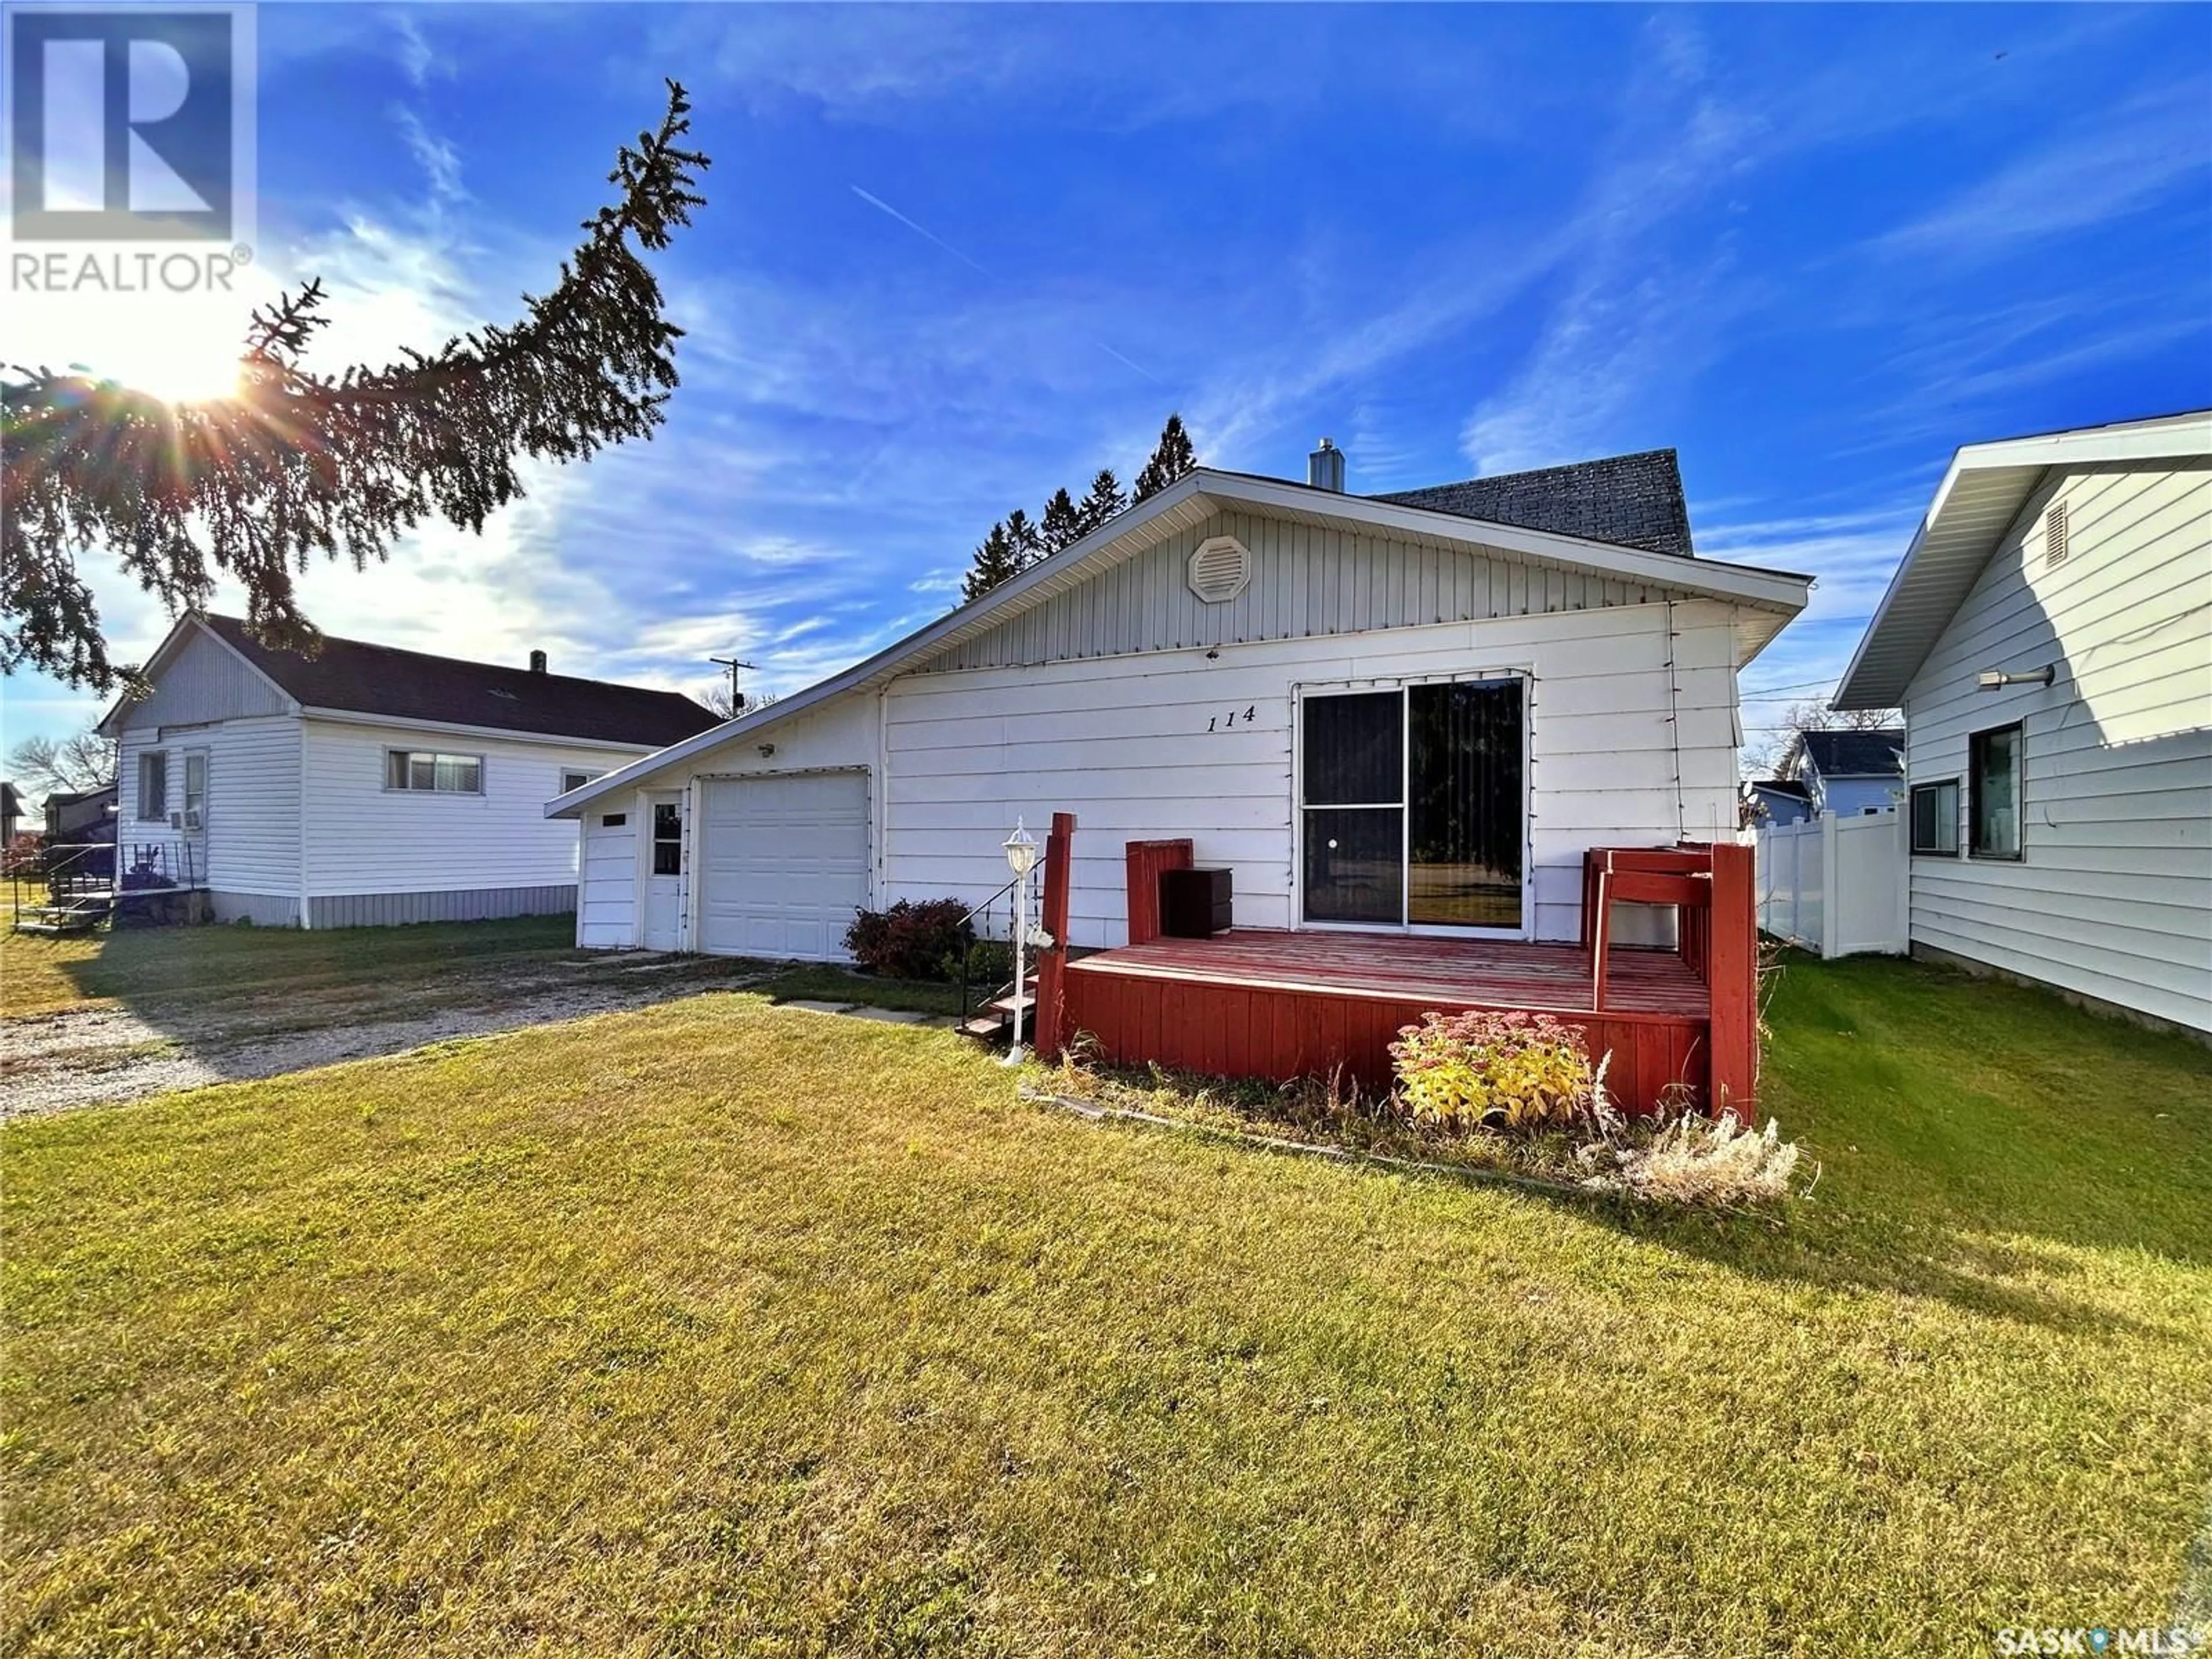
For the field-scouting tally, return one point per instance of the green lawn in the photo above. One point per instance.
(728, 1328)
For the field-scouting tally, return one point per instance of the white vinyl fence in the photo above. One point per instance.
(1836, 885)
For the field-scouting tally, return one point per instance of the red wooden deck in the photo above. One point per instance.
(1270, 1004)
(1258, 1003)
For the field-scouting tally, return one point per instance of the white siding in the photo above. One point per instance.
(1632, 741)
(2113, 896)
(606, 896)
(842, 734)
(1306, 581)
(250, 846)
(361, 837)
(206, 680)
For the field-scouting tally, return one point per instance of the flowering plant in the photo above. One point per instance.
(1503, 1071)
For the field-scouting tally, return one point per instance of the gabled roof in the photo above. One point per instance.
(1879, 754)
(11, 804)
(1635, 501)
(1765, 599)
(355, 678)
(1981, 495)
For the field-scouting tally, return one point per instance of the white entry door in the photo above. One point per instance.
(663, 871)
(783, 864)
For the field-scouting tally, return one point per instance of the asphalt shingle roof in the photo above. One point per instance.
(1857, 754)
(381, 679)
(1631, 500)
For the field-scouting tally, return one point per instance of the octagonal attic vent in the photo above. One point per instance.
(1220, 569)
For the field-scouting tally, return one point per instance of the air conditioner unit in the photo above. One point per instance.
(192, 820)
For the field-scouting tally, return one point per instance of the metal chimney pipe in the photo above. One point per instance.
(538, 662)
(1325, 467)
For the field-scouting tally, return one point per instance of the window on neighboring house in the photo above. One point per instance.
(576, 778)
(1998, 773)
(667, 839)
(1936, 817)
(196, 770)
(426, 770)
(154, 787)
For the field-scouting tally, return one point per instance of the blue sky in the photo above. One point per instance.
(954, 258)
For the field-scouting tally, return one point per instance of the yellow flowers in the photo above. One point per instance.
(1510, 1071)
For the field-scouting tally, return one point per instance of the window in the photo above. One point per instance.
(668, 838)
(1936, 817)
(444, 774)
(613, 820)
(575, 778)
(196, 770)
(1994, 808)
(1414, 810)
(152, 787)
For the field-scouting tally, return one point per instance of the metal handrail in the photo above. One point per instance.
(991, 901)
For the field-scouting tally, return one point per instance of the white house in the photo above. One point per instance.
(1410, 713)
(366, 785)
(2049, 636)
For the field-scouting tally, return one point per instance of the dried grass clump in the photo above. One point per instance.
(1695, 1160)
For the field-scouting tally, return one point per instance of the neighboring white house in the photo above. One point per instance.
(366, 785)
(2049, 636)
(1846, 773)
(1409, 714)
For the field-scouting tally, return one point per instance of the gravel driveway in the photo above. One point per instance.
(79, 1057)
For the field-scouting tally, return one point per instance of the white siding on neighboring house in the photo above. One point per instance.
(246, 851)
(2112, 896)
(363, 838)
(1632, 741)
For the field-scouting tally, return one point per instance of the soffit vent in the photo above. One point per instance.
(1220, 569)
(2054, 536)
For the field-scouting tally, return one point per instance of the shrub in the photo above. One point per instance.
(1515, 1071)
(989, 961)
(911, 941)
(25, 854)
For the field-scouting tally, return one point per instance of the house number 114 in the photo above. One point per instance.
(1222, 722)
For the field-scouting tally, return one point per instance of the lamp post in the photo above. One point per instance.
(1021, 858)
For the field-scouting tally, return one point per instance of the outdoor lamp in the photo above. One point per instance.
(1021, 851)
(1021, 858)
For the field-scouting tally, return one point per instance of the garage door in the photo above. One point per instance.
(783, 864)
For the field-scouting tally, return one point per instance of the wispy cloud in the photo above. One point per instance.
(2103, 169)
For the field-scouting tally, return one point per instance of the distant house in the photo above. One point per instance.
(1848, 773)
(2049, 636)
(81, 816)
(1777, 801)
(366, 784)
(11, 812)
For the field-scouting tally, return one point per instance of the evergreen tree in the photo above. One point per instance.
(1025, 538)
(1103, 502)
(1062, 523)
(1171, 457)
(995, 561)
(301, 464)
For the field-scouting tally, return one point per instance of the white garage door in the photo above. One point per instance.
(783, 864)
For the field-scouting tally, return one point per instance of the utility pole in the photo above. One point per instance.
(737, 697)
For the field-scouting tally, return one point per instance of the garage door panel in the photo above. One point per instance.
(783, 864)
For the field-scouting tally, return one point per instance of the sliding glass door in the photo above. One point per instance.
(1414, 809)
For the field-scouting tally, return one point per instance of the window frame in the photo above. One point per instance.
(1977, 743)
(400, 764)
(655, 840)
(201, 758)
(583, 775)
(160, 814)
(1934, 786)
